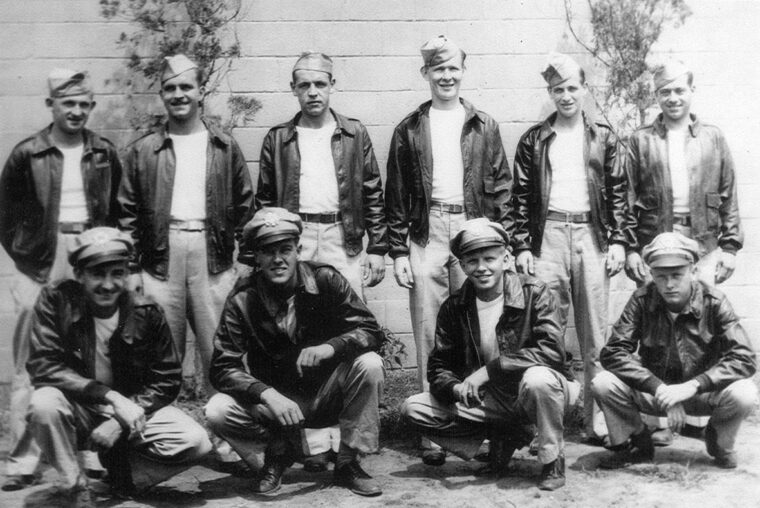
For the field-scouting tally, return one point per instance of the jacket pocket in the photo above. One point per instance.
(713, 202)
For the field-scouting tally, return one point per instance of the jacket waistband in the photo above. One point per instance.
(577, 217)
(187, 225)
(321, 218)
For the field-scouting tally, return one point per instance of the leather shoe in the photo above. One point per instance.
(270, 477)
(18, 482)
(722, 458)
(553, 474)
(499, 456)
(662, 437)
(354, 478)
(319, 462)
(434, 457)
(640, 449)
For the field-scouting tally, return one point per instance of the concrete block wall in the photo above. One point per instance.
(375, 48)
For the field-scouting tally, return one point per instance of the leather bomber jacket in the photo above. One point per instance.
(409, 183)
(144, 360)
(528, 334)
(713, 202)
(30, 197)
(533, 179)
(145, 197)
(706, 342)
(359, 186)
(252, 354)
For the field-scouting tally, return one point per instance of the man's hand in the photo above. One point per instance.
(615, 259)
(402, 270)
(635, 268)
(313, 357)
(135, 282)
(468, 391)
(524, 262)
(284, 409)
(130, 415)
(725, 266)
(668, 396)
(373, 269)
(676, 417)
(106, 434)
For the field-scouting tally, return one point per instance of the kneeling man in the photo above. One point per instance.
(677, 349)
(105, 370)
(296, 347)
(498, 363)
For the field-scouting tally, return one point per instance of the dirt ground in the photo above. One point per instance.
(682, 476)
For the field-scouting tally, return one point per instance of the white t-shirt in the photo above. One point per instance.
(189, 192)
(488, 317)
(679, 173)
(104, 329)
(318, 185)
(569, 187)
(448, 167)
(73, 201)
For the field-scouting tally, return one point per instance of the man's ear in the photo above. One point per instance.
(49, 102)
(424, 72)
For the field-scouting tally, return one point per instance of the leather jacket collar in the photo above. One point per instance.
(215, 134)
(662, 130)
(547, 128)
(44, 141)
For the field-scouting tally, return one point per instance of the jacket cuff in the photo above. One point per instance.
(705, 384)
(494, 369)
(97, 391)
(651, 384)
(338, 345)
(256, 389)
(377, 249)
(398, 252)
(731, 248)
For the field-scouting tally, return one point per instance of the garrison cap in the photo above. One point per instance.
(668, 72)
(66, 82)
(100, 245)
(176, 65)
(438, 50)
(270, 225)
(559, 67)
(670, 250)
(477, 234)
(313, 61)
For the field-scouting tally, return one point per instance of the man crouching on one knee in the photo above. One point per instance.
(498, 363)
(677, 349)
(105, 370)
(309, 345)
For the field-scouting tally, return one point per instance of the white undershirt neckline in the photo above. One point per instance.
(73, 203)
(318, 183)
(569, 182)
(189, 192)
(448, 166)
(679, 172)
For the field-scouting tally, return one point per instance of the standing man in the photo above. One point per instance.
(446, 165)
(682, 179)
(105, 371)
(498, 362)
(569, 216)
(321, 165)
(296, 347)
(185, 198)
(55, 184)
(678, 349)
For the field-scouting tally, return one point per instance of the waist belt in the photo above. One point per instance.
(577, 217)
(321, 218)
(682, 219)
(446, 207)
(73, 228)
(187, 225)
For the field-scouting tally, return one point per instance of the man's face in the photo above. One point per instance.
(103, 284)
(484, 268)
(445, 79)
(278, 261)
(675, 98)
(568, 96)
(182, 95)
(313, 89)
(70, 113)
(674, 285)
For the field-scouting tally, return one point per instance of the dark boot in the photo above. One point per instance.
(639, 450)
(553, 474)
